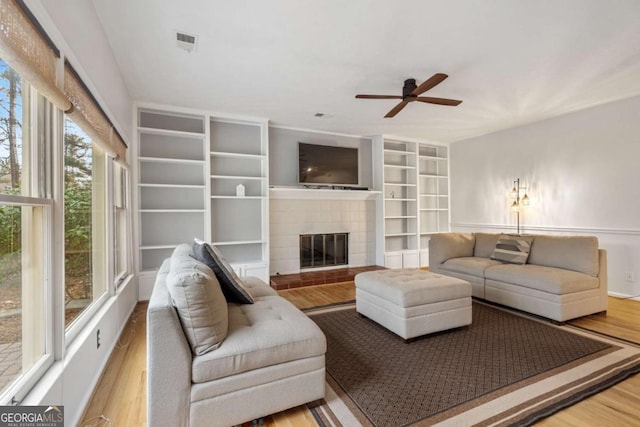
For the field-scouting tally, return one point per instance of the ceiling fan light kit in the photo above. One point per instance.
(411, 92)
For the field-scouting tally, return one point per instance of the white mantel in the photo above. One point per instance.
(298, 193)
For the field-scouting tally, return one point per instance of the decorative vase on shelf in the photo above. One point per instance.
(239, 190)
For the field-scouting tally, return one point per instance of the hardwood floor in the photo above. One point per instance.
(121, 393)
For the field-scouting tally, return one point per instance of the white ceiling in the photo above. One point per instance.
(510, 61)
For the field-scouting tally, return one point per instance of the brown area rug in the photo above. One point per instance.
(504, 369)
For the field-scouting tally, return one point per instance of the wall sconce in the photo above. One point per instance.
(519, 202)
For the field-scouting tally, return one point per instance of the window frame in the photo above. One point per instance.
(21, 386)
(115, 168)
(79, 323)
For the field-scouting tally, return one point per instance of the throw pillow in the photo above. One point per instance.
(512, 249)
(198, 299)
(232, 287)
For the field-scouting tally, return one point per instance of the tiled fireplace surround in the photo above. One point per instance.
(289, 218)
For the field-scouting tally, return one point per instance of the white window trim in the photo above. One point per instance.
(23, 384)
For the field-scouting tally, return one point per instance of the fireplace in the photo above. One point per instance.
(324, 250)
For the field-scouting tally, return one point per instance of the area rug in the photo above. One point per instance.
(504, 369)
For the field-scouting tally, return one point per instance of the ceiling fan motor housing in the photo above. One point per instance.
(409, 86)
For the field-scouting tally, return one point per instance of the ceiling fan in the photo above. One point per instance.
(411, 92)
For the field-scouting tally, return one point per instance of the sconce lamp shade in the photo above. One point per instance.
(525, 200)
(514, 193)
(515, 207)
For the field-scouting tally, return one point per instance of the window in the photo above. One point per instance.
(84, 222)
(63, 204)
(121, 266)
(25, 224)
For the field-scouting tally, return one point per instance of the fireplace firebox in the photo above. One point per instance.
(324, 250)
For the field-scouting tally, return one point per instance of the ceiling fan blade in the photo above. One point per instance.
(439, 101)
(395, 110)
(378, 97)
(432, 81)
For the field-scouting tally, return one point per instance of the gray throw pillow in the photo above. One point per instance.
(513, 249)
(232, 286)
(201, 306)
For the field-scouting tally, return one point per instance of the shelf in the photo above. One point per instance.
(429, 175)
(399, 167)
(237, 177)
(434, 195)
(399, 200)
(400, 217)
(171, 210)
(152, 247)
(167, 160)
(399, 185)
(399, 234)
(239, 198)
(239, 242)
(433, 210)
(171, 185)
(171, 132)
(321, 194)
(400, 152)
(237, 155)
(432, 157)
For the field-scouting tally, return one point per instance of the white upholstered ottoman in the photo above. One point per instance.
(413, 302)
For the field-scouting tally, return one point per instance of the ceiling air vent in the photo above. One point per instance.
(186, 41)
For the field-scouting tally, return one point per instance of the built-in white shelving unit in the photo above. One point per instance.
(413, 177)
(239, 155)
(189, 166)
(171, 183)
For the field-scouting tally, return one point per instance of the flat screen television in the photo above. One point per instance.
(327, 165)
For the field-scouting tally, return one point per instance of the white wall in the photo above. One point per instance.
(283, 154)
(74, 28)
(583, 177)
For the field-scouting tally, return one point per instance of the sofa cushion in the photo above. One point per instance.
(485, 244)
(232, 286)
(513, 249)
(547, 279)
(201, 306)
(266, 333)
(577, 253)
(450, 245)
(257, 288)
(474, 266)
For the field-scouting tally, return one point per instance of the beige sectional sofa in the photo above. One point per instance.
(272, 358)
(563, 278)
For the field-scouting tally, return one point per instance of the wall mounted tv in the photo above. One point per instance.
(327, 165)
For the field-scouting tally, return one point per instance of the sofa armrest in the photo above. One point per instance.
(444, 246)
(169, 360)
(602, 276)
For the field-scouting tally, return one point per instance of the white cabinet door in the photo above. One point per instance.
(424, 258)
(410, 260)
(260, 271)
(393, 260)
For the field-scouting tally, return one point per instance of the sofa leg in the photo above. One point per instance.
(258, 422)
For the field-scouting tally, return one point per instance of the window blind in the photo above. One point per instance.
(29, 53)
(87, 114)
(32, 55)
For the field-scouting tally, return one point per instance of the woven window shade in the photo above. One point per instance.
(89, 116)
(24, 49)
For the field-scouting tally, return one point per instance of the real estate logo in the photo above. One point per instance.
(32, 416)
